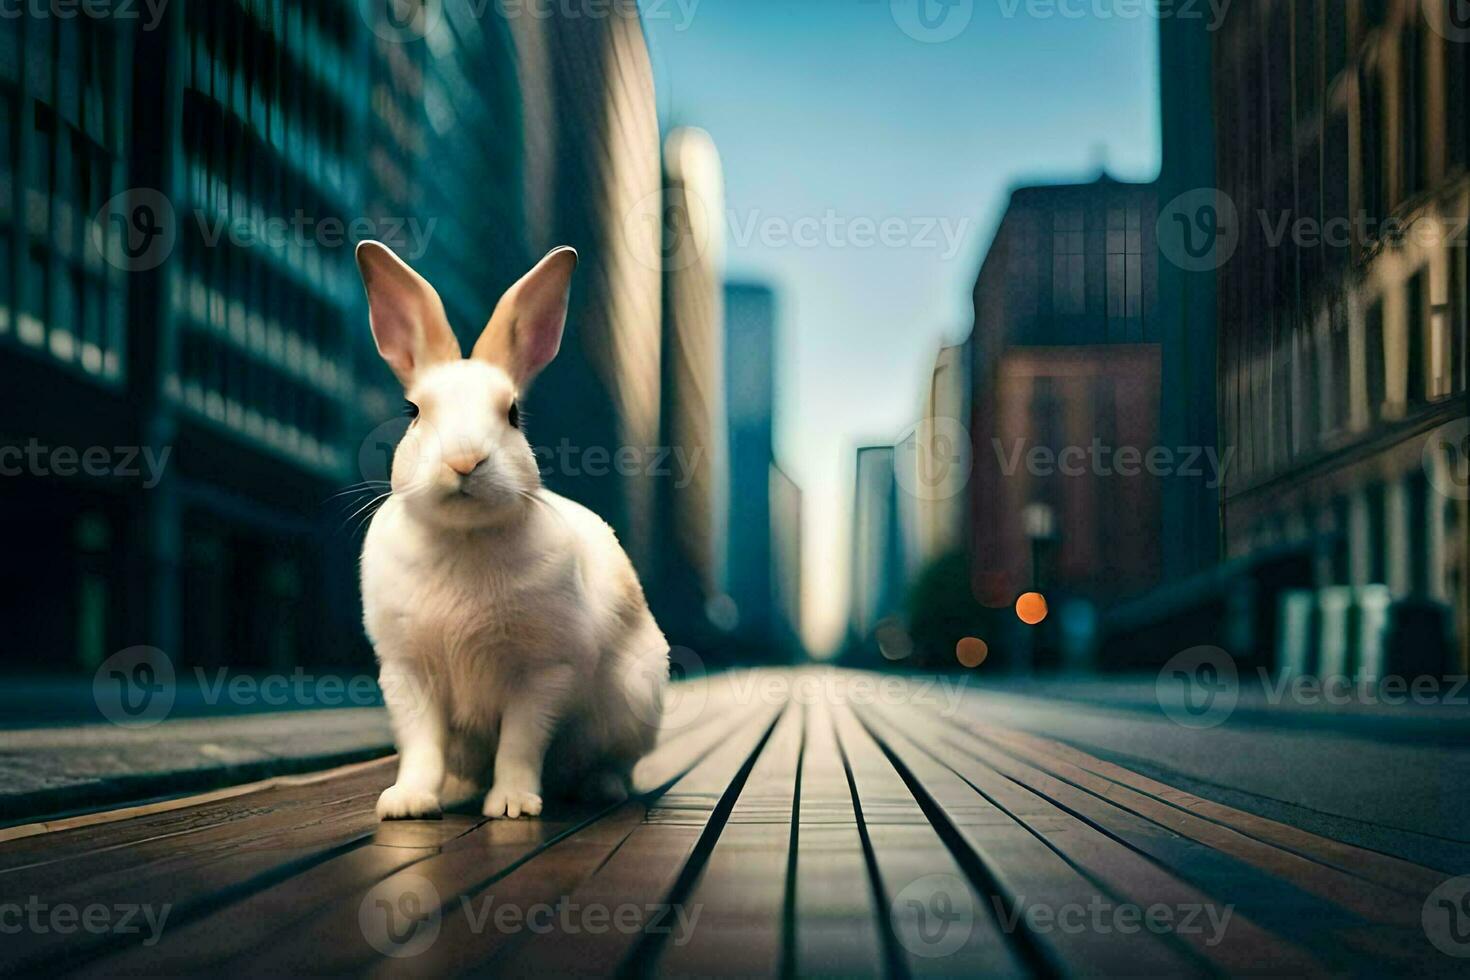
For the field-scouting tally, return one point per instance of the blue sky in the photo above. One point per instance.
(832, 121)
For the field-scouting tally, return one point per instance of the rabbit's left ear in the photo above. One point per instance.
(525, 332)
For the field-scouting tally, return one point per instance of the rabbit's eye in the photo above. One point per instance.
(410, 410)
(515, 416)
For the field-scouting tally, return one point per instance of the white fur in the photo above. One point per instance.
(509, 625)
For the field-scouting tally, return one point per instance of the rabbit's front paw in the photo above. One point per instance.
(503, 801)
(400, 802)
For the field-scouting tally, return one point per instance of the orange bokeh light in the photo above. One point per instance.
(1031, 608)
(971, 652)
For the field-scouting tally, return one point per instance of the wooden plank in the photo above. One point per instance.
(706, 701)
(1031, 886)
(650, 867)
(180, 873)
(1413, 880)
(90, 837)
(836, 922)
(1365, 899)
(12, 854)
(1212, 927)
(918, 878)
(240, 928)
(537, 894)
(1333, 935)
(741, 896)
(234, 929)
(335, 940)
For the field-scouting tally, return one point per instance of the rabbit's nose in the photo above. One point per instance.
(464, 463)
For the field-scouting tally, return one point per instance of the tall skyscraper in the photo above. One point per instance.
(694, 408)
(786, 558)
(180, 205)
(876, 562)
(1187, 293)
(750, 360)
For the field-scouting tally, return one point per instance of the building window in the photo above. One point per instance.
(1413, 160)
(1023, 266)
(1069, 264)
(1371, 141)
(1418, 326)
(1375, 369)
(1307, 389)
(1125, 275)
(1459, 311)
(1283, 414)
(1457, 104)
(1340, 383)
(1308, 79)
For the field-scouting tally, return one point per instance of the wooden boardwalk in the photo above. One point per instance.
(790, 823)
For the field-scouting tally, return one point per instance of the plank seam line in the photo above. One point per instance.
(168, 804)
(1136, 766)
(191, 911)
(982, 879)
(894, 959)
(1172, 939)
(643, 951)
(788, 902)
(1256, 837)
(431, 852)
(647, 799)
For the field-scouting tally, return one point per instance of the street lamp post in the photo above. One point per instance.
(1038, 523)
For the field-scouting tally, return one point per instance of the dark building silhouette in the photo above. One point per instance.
(786, 559)
(876, 564)
(1342, 135)
(1187, 296)
(214, 312)
(1066, 353)
(749, 363)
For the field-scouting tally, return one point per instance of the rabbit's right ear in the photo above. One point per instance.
(407, 315)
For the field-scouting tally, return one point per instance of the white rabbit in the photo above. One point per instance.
(510, 628)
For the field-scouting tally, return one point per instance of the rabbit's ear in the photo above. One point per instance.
(525, 332)
(407, 316)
